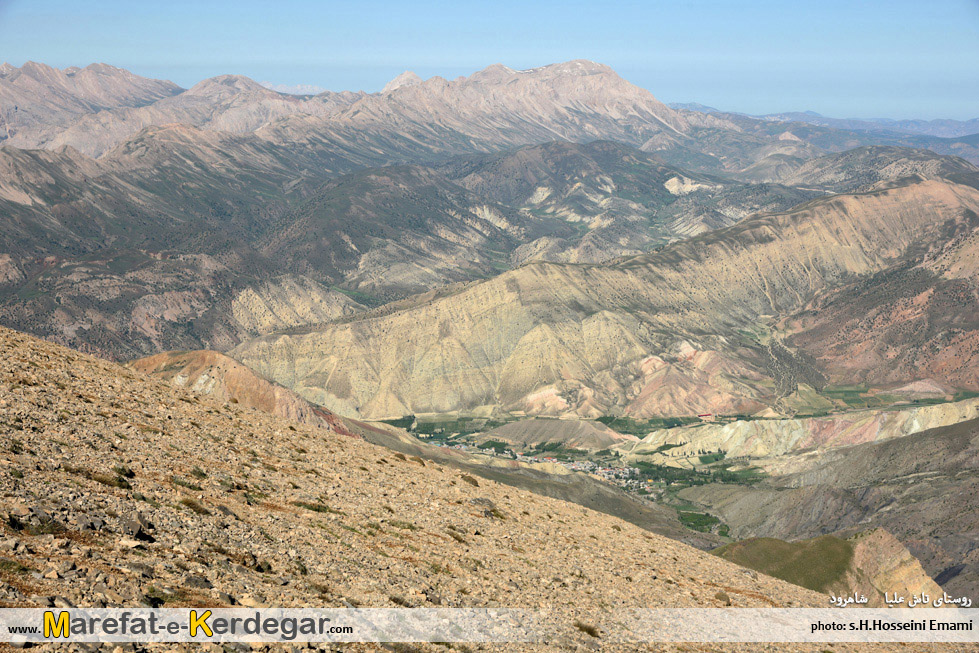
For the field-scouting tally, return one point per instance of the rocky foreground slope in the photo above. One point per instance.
(119, 490)
(217, 377)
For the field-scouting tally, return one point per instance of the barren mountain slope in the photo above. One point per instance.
(122, 490)
(864, 166)
(660, 334)
(627, 199)
(391, 232)
(224, 379)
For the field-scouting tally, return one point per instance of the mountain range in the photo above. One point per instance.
(228, 176)
(944, 128)
(476, 272)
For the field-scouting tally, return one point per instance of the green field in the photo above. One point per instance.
(814, 564)
(641, 427)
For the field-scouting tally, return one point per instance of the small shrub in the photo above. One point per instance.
(317, 507)
(142, 497)
(406, 525)
(176, 480)
(49, 527)
(157, 597)
(112, 480)
(195, 505)
(586, 628)
(12, 567)
(438, 568)
(124, 471)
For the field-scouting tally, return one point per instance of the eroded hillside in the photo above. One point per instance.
(667, 333)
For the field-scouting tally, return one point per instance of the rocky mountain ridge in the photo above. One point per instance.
(202, 199)
(494, 108)
(38, 99)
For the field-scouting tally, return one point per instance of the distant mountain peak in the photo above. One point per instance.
(577, 67)
(693, 106)
(407, 78)
(492, 73)
(294, 89)
(224, 83)
(106, 69)
(36, 66)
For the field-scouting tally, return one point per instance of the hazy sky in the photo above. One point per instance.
(853, 58)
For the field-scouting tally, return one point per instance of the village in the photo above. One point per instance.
(628, 478)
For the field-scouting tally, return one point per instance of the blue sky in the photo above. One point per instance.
(897, 59)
